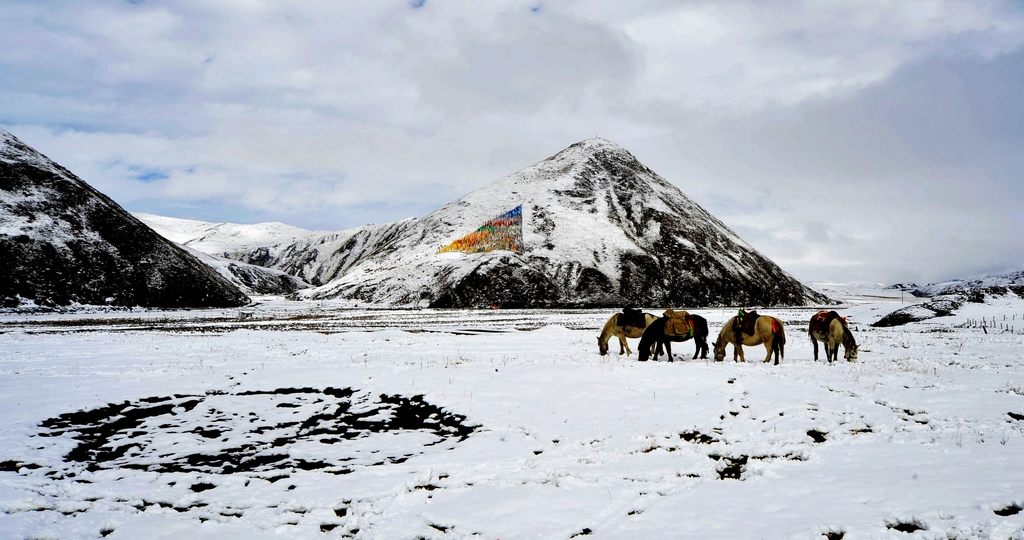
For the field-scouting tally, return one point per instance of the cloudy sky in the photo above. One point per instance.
(849, 141)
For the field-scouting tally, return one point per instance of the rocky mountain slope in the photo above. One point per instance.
(600, 229)
(63, 242)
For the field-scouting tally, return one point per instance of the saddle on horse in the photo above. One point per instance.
(822, 319)
(746, 320)
(632, 317)
(678, 323)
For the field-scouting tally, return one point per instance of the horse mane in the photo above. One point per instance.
(848, 338)
(606, 331)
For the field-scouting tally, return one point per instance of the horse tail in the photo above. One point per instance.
(778, 338)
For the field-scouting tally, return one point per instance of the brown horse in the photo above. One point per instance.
(767, 331)
(613, 328)
(655, 335)
(831, 329)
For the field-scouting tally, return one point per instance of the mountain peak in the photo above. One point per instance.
(598, 229)
(592, 146)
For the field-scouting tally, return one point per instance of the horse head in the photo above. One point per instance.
(602, 346)
(851, 353)
(719, 349)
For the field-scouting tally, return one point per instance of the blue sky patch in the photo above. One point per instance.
(151, 176)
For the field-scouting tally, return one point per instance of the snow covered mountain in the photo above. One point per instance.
(215, 243)
(63, 242)
(600, 229)
(946, 298)
(965, 285)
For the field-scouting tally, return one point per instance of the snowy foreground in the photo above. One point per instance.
(291, 420)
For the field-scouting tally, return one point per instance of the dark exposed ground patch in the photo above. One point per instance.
(14, 466)
(582, 532)
(834, 534)
(1015, 416)
(1011, 509)
(694, 436)
(733, 467)
(730, 466)
(817, 436)
(913, 525)
(127, 434)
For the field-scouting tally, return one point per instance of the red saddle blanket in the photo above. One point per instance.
(822, 319)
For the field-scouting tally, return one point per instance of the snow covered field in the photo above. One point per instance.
(293, 420)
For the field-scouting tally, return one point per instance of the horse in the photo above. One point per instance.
(612, 328)
(767, 330)
(655, 335)
(831, 329)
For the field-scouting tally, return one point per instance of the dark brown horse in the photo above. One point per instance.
(654, 338)
(831, 329)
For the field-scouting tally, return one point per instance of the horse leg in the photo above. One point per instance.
(768, 348)
(668, 349)
(624, 345)
(737, 352)
(815, 343)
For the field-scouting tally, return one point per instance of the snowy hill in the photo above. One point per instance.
(947, 298)
(600, 229)
(63, 242)
(966, 285)
(221, 239)
(215, 243)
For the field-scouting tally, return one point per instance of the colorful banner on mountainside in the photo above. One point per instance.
(503, 233)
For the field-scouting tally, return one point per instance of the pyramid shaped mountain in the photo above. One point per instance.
(598, 229)
(63, 242)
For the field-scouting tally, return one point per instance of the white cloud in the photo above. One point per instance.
(330, 114)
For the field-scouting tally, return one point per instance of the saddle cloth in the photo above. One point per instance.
(748, 322)
(632, 317)
(677, 323)
(822, 319)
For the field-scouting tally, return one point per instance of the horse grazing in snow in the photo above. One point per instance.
(831, 329)
(656, 336)
(614, 328)
(762, 330)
